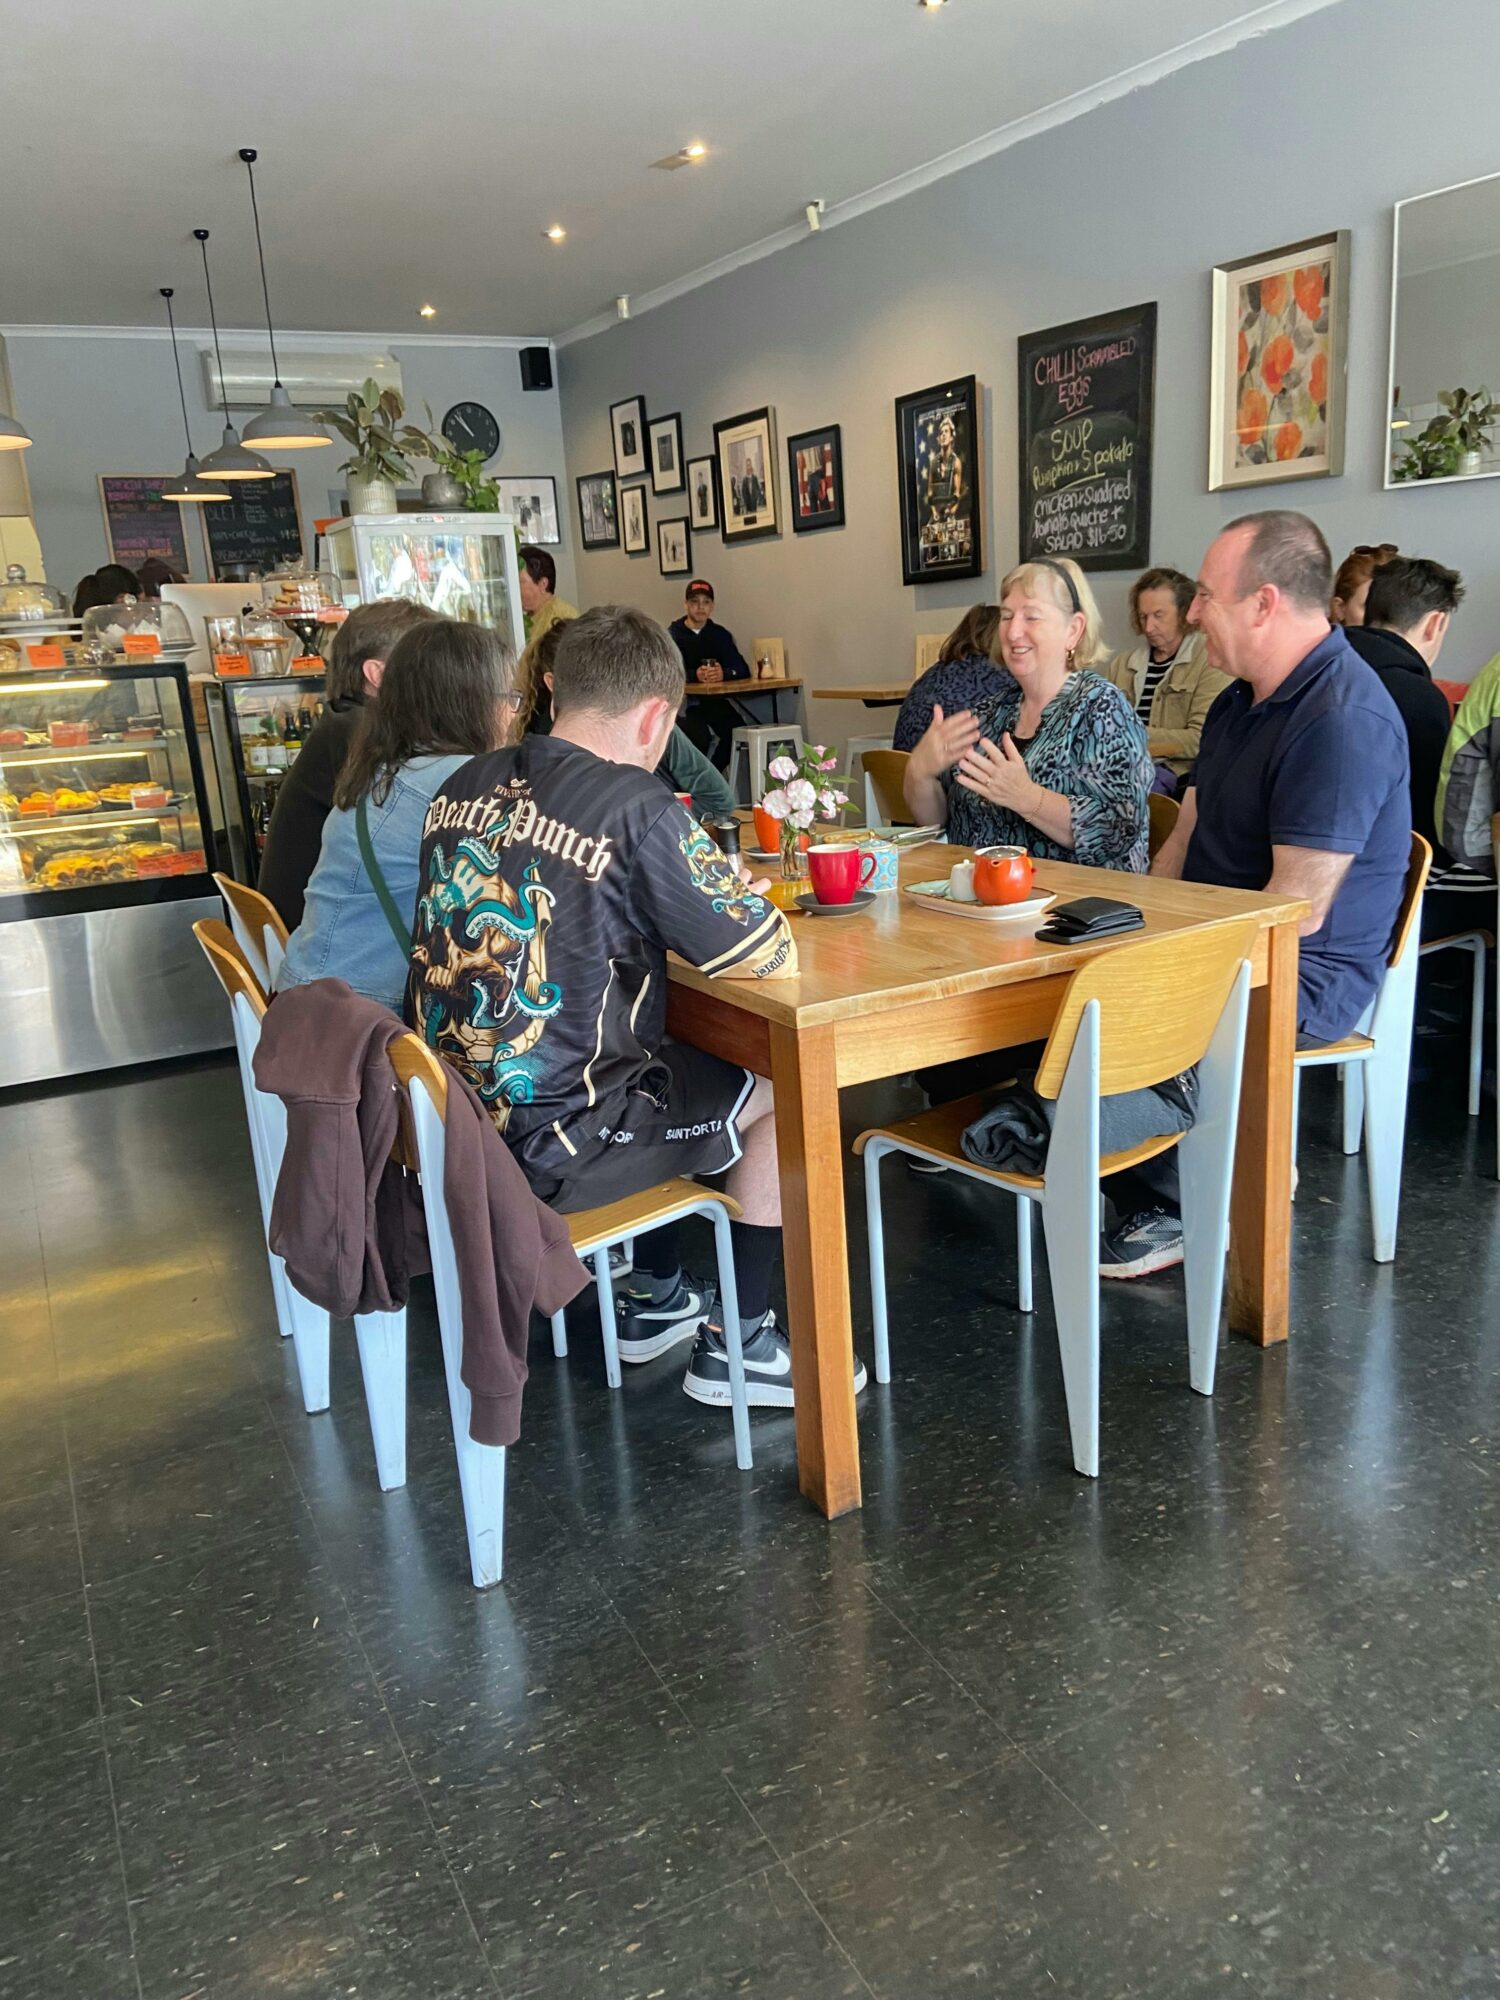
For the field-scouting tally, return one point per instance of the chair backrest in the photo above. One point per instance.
(929, 645)
(886, 771)
(1159, 1003)
(773, 650)
(1162, 813)
(414, 1062)
(1417, 869)
(257, 925)
(234, 971)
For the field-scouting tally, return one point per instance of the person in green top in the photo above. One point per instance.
(540, 603)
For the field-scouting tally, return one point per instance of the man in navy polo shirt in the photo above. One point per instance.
(1301, 785)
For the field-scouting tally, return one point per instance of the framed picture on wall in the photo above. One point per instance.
(1278, 362)
(703, 494)
(674, 547)
(940, 467)
(627, 420)
(665, 435)
(532, 499)
(815, 461)
(598, 513)
(745, 447)
(633, 520)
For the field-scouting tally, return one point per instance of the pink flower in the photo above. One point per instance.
(776, 803)
(783, 768)
(830, 801)
(820, 749)
(800, 796)
(829, 764)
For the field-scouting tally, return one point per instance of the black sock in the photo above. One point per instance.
(755, 1251)
(658, 1263)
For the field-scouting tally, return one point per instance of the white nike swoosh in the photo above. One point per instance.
(782, 1365)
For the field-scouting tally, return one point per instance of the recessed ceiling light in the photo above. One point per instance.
(556, 233)
(685, 156)
(930, 6)
(428, 312)
(696, 150)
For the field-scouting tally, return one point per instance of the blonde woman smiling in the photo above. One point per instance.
(1056, 763)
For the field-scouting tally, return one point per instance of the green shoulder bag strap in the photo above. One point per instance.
(378, 882)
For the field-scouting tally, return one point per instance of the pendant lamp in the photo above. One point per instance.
(192, 485)
(231, 460)
(278, 427)
(13, 436)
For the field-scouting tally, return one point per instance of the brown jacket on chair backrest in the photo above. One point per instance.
(348, 1221)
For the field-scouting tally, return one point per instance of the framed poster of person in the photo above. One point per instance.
(938, 461)
(815, 460)
(1277, 369)
(598, 511)
(665, 437)
(1086, 394)
(139, 524)
(259, 526)
(703, 494)
(674, 547)
(532, 500)
(745, 447)
(633, 520)
(627, 421)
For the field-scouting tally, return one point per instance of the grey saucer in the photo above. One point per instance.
(808, 903)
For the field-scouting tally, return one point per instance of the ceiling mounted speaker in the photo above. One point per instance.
(536, 368)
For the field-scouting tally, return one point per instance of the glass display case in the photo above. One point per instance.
(459, 565)
(105, 862)
(257, 726)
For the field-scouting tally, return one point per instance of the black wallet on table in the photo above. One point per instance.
(1089, 917)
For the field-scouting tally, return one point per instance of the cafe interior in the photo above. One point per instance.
(1009, 422)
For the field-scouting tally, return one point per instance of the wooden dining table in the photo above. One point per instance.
(899, 986)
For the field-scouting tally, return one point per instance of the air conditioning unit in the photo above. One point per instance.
(314, 381)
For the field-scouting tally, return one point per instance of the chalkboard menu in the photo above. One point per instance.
(256, 529)
(1086, 396)
(139, 524)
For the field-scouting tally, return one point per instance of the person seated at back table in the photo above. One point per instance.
(537, 582)
(556, 877)
(1056, 762)
(709, 658)
(1407, 613)
(304, 799)
(1302, 786)
(963, 675)
(446, 695)
(1468, 796)
(1351, 585)
(1167, 679)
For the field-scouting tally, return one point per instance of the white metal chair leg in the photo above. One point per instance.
(1206, 1170)
(1070, 1208)
(729, 1300)
(875, 1152)
(382, 1362)
(309, 1323)
(1023, 1253)
(560, 1335)
(1352, 1077)
(1476, 1026)
(604, 1285)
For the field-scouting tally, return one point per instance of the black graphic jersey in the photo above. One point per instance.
(553, 885)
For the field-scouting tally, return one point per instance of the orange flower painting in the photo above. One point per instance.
(1283, 355)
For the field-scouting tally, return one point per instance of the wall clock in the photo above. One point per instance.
(471, 427)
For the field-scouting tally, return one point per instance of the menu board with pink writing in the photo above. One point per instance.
(1085, 444)
(139, 524)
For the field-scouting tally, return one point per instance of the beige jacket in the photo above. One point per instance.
(1184, 695)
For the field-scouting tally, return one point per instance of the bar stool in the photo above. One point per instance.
(759, 745)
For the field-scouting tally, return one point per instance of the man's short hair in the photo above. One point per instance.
(1404, 590)
(540, 567)
(369, 632)
(1288, 551)
(611, 660)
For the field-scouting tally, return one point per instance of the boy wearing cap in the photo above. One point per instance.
(709, 657)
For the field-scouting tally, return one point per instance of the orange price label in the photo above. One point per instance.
(308, 663)
(141, 645)
(232, 666)
(46, 656)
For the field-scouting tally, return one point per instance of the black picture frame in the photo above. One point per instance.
(815, 478)
(745, 447)
(674, 568)
(664, 441)
(1087, 395)
(703, 482)
(643, 545)
(941, 536)
(598, 510)
(627, 426)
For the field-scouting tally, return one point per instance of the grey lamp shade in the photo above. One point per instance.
(278, 427)
(191, 484)
(232, 461)
(13, 436)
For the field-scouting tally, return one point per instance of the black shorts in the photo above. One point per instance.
(687, 1128)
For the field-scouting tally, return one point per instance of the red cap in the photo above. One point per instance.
(698, 588)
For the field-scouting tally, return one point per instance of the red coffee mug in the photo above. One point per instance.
(839, 870)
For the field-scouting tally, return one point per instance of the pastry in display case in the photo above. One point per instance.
(459, 565)
(257, 726)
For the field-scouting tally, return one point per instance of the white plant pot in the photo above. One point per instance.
(1469, 464)
(370, 496)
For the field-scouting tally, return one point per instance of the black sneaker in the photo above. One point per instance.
(646, 1330)
(768, 1368)
(1138, 1244)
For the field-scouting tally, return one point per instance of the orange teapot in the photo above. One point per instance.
(1002, 875)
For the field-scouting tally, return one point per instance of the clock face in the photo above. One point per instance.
(471, 427)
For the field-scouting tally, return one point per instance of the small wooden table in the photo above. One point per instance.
(747, 692)
(874, 694)
(902, 987)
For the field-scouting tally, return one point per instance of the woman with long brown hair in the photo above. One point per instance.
(1351, 586)
(447, 695)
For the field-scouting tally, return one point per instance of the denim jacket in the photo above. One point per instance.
(343, 933)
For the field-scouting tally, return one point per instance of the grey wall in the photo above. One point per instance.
(110, 405)
(1319, 125)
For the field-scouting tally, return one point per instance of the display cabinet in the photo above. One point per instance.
(459, 565)
(257, 727)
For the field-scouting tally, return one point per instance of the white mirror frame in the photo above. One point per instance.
(1452, 478)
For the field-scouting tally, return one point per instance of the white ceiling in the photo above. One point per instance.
(415, 152)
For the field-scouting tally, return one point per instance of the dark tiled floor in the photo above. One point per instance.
(1226, 1722)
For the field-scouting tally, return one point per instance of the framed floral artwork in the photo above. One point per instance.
(1280, 348)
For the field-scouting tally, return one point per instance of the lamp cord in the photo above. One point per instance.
(177, 361)
(213, 320)
(264, 287)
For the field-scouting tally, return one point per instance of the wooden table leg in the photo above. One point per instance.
(810, 1150)
(1261, 1212)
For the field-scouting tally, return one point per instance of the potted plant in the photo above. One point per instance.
(803, 791)
(381, 457)
(1429, 455)
(1457, 440)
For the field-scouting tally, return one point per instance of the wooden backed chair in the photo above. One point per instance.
(929, 645)
(1162, 812)
(1375, 1063)
(1112, 1034)
(773, 650)
(885, 799)
(257, 927)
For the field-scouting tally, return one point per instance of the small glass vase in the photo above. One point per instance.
(794, 846)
